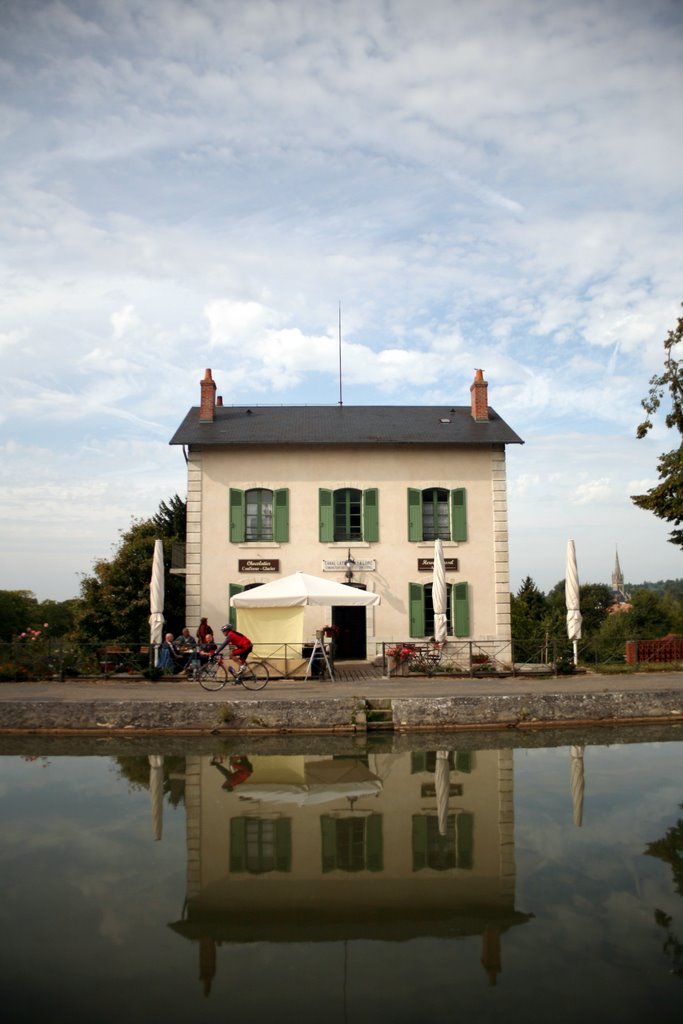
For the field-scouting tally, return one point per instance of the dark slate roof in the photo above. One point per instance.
(348, 424)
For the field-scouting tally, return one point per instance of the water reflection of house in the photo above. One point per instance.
(311, 848)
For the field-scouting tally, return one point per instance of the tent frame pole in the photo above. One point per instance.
(319, 647)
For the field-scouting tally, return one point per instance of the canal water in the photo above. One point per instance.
(443, 877)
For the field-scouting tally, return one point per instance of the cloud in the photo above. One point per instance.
(200, 185)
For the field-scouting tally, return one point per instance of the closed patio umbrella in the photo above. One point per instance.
(571, 595)
(156, 599)
(439, 593)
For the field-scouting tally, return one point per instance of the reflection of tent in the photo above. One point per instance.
(323, 781)
(299, 590)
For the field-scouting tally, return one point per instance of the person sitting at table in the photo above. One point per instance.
(168, 656)
(184, 644)
(202, 652)
(185, 640)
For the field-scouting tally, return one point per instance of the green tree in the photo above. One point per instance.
(18, 611)
(527, 609)
(665, 499)
(115, 598)
(649, 615)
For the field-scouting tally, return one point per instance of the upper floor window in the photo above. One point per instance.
(440, 852)
(260, 845)
(435, 512)
(349, 514)
(259, 514)
(352, 844)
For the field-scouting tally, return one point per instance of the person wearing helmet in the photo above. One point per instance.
(240, 645)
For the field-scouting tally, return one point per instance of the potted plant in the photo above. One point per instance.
(399, 656)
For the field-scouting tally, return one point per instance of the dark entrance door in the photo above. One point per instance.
(350, 642)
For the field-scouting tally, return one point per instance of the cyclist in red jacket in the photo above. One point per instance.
(240, 645)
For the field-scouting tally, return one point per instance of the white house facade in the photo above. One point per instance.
(356, 493)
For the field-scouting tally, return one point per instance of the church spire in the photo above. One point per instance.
(618, 581)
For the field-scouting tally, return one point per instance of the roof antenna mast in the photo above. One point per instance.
(340, 362)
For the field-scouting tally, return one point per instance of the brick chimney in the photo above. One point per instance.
(479, 392)
(208, 398)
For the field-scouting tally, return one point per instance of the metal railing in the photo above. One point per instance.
(63, 659)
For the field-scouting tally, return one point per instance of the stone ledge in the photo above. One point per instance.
(338, 714)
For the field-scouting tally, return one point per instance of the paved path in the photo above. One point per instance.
(113, 689)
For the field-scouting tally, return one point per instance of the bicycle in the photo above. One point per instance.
(214, 675)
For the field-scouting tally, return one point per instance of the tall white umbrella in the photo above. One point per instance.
(571, 596)
(442, 784)
(439, 593)
(156, 599)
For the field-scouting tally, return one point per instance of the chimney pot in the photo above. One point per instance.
(207, 398)
(479, 396)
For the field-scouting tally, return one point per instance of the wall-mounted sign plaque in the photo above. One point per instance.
(258, 564)
(427, 564)
(339, 565)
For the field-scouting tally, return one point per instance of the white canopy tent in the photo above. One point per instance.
(299, 590)
(263, 615)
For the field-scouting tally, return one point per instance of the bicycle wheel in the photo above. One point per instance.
(254, 677)
(213, 677)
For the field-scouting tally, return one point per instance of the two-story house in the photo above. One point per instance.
(361, 493)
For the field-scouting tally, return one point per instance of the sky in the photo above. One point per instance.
(202, 184)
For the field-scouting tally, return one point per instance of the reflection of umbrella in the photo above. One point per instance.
(156, 790)
(571, 596)
(439, 592)
(577, 783)
(442, 777)
(156, 598)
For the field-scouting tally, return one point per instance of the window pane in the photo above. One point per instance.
(259, 514)
(435, 514)
(347, 514)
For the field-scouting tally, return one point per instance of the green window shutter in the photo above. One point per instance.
(283, 844)
(281, 515)
(463, 761)
(464, 840)
(414, 514)
(238, 844)
(371, 515)
(419, 842)
(418, 761)
(374, 857)
(416, 604)
(328, 837)
(237, 516)
(233, 588)
(461, 610)
(326, 510)
(459, 514)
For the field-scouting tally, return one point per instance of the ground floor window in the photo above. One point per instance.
(422, 609)
(439, 852)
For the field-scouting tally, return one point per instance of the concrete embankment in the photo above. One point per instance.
(412, 705)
